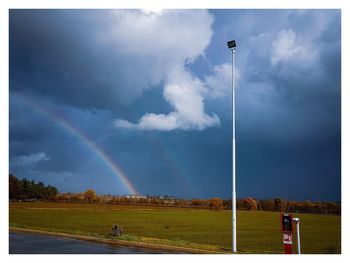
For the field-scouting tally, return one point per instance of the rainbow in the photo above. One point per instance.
(71, 129)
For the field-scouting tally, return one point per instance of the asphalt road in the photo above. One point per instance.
(28, 243)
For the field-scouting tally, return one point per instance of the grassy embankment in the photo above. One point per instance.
(257, 232)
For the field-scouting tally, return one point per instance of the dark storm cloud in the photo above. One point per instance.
(60, 54)
(288, 95)
(308, 171)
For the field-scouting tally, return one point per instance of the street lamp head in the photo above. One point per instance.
(231, 44)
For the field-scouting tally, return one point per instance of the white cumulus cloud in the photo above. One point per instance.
(284, 46)
(219, 83)
(27, 160)
(287, 47)
(169, 39)
(162, 122)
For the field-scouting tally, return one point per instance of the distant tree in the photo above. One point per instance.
(216, 203)
(23, 189)
(15, 187)
(26, 188)
(267, 205)
(331, 208)
(228, 204)
(77, 197)
(278, 204)
(308, 206)
(90, 195)
(240, 204)
(180, 202)
(318, 206)
(199, 202)
(290, 206)
(50, 192)
(299, 207)
(250, 204)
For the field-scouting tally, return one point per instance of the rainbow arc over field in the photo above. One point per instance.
(71, 129)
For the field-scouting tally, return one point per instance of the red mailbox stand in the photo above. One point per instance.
(287, 232)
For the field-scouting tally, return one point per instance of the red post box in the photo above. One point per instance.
(287, 232)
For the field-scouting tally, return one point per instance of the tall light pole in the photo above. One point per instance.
(232, 46)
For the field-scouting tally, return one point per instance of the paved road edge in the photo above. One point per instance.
(119, 242)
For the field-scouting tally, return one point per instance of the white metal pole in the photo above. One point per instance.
(298, 236)
(234, 236)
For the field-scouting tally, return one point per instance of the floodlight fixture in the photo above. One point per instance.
(231, 44)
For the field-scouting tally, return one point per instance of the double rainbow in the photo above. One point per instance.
(71, 129)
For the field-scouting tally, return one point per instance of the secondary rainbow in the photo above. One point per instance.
(70, 128)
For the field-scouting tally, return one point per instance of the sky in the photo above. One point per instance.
(139, 101)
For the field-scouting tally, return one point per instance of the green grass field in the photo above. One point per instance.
(257, 232)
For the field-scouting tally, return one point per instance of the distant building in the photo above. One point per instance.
(135, 197)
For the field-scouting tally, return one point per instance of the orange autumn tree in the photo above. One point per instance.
(250, 204)
(216, 203)
(90, 195)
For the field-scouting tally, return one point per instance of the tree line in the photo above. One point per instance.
(249, 203)
(24, 190)
(289, 206)
(90, 196)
